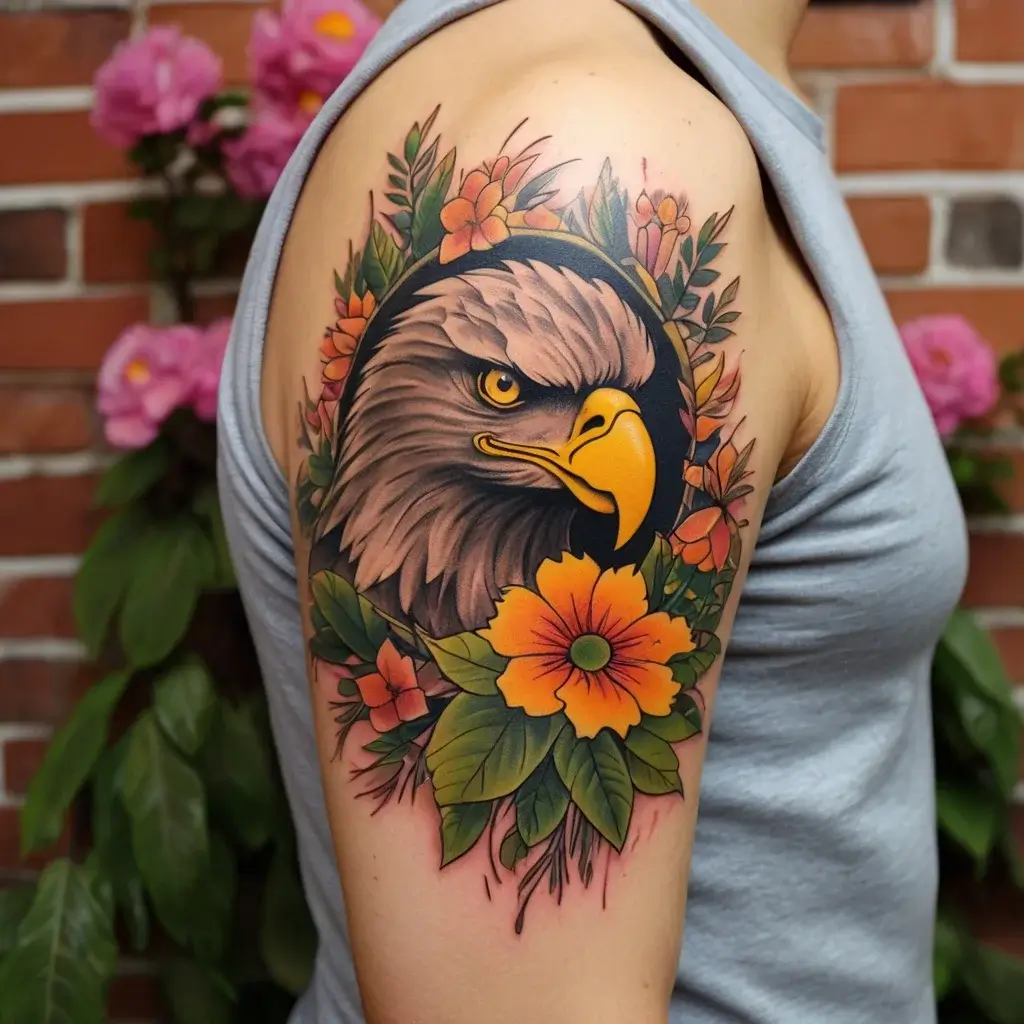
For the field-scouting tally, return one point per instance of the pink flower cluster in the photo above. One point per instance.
(299, 58)
(955, 367)
(151, 371)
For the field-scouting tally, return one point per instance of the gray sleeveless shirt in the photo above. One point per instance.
(814, 867)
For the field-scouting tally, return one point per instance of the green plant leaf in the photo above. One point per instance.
(185, 702)
(971, 816)
(222, 571)
(947, 954)
(706, 230)
(70, 760)
(349, 614)
(288, 939)
(171, 568)
(676, 726)
(688, 668)
(512, 850)
(966, 652)
(597, 777)
(108, 567)
(702, 278)
(688, 251)
(427, 230)
(482, 749)
(382, 260)
(165, 800)
(196, 993)
(461, 826)
(14, 905)
(134, 474)
(655, 569)
(468, 661)
(653, 765)
(541, 803)
(235, 764)
(995, 981)
(65, 953)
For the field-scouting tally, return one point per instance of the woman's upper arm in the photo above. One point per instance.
(536, 439)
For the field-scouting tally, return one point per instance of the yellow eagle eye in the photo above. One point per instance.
(499, 388)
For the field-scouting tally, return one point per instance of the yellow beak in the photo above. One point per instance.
(607, 463)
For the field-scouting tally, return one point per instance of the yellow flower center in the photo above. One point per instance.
(136, 372)
(310, 102)
(335, 24)
(590, 652)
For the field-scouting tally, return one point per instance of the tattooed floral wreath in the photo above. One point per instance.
(538, 729)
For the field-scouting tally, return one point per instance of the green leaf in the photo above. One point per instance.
(14, 905)
(967, 653)
(688, 251)
(202, 918)
(717, 334)
(65, 954)
(607, 215)
(461, 826)
(706, 229)
(703, 278)
(165, 800)
(688, 668)
(709, 253)
(235, 764)
(134, 474)
(169, 574)
(412, 143)
(709, 308)
(727, 318)
(468, 661)
(348, 613)
(597, 777)
(427, 230)
(674, 727)
(197, 994)
(655, 570)
(184, 702)
(512, 850)
(108, 567)
(482, 749)
(382, 260)
(947, 954)
(972, 817)
(653, 765)
(397, 164)
(730, 293)
(541, 803)
(70, 760)
(288, 938)
(397, 198)
(996, 984)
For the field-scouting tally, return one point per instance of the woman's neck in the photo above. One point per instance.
(763, 28)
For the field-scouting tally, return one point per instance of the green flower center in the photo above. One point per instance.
(590, 652)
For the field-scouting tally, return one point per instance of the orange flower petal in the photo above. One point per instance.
(530, 683)
(696, 552)
(337, 369)
(707, 564)
(353, 326)
(457, 214)
(457, 244)
(524, 623)
(411, 704)
(706, 426)
(488, 199)
(355, 307)
(369, 304)
(725, 461)
(542, 218)
(593, 702)
(721, 541)
(649, 684)
(499, 168)
(698, 525)
(385, 717)
(567, 584)
(667, 210)
(656, 638)
(494, 230)
(478, 240)
(644, 209)
(620, 598)
(397, 669)
(373, 688)
(474, 184)
(694, 475)
(665, 250)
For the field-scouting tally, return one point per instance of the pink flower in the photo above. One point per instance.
(955, 367)
(392, 693)
(147, 373)
(302, 55)
(254, 162)
(153, 85)
(209, 356)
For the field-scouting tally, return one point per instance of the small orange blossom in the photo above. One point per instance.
(475, 218)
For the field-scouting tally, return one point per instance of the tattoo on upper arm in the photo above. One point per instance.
(522, 496)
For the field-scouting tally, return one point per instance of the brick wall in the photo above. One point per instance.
(925, 108)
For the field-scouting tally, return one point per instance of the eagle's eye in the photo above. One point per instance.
(499, 388)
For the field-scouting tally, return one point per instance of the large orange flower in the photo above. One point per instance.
(704, 539)
(339, 343)
(585, 642)
(475, 218)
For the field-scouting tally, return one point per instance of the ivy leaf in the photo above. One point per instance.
(196, 992)
(653, 765)
(165, 800)
(972, 817)
(597, 777)
(461, 826)
(171, 568)
(482, 749)
(427, 230)
(65, 953)
(468, 661)
(70, 760)
(348, 613)
(134, 474)
(541, 803)
(184, 702)
(288, 938)
(382, 260)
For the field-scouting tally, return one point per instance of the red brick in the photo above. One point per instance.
(865, 36)
(990, 30)
(895, 231)
(53, 49)
(114, 245)
(37, 607)
(224, 27)
(135, 997)
(929, 124)
(46, 515)
(32, 245)
(997, 313)
(10, 850)
(212, 307)
(1011, 646)
(55, 147)
(996, 577)
(22, 759)
(42, 692)
(44, 420)
(64, 334)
